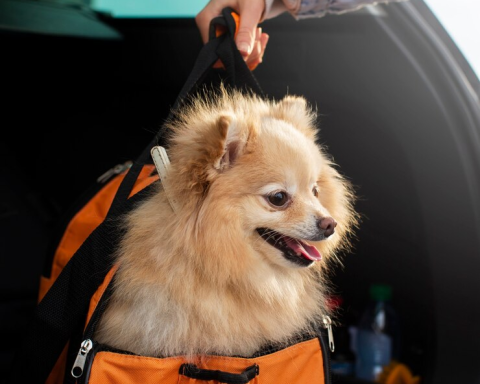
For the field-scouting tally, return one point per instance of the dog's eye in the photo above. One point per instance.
(278, 199)
(315, 191)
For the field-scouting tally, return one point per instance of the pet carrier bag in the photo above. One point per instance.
(59, 347)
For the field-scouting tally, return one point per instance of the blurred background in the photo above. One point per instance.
(86, 84)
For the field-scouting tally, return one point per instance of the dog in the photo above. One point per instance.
(243, 260)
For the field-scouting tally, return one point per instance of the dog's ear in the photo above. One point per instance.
(231, 143)
(296, 111)
(200, 153)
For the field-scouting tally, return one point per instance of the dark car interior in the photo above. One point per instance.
(398, 111)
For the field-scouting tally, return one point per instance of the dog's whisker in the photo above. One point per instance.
(269, 234)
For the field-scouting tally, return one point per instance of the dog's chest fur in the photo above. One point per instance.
(164, 305)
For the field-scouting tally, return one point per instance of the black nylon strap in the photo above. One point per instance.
(237, 74)
(204, 62)
(237, 71)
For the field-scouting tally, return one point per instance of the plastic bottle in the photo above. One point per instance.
(378, 338)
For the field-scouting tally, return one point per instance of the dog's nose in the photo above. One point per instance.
(327, 224)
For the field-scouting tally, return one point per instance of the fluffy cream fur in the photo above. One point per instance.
(202, 280)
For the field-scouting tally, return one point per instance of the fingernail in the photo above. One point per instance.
(244, 49)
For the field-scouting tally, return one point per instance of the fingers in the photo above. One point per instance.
(250, 40)
(250, 15)
(202, 23)
(256, 52)
(256, 56)
(205, 16)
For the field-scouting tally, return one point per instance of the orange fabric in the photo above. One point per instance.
(86, 220)
(99, 293)
(220, 29)
(79, 228)
(299, 364)
(236, 17)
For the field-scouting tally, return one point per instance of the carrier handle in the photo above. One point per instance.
(193, 372)
(222, 47)
(221, 25)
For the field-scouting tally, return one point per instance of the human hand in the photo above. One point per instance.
(250, 40)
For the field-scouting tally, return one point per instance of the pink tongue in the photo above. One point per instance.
(299, 247)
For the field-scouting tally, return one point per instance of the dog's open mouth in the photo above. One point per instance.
(294, 250)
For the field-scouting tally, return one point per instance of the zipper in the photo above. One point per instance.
(116, 170)
(88, 344)
(89, 347)
(327, 349)
(65, 219)
(327, 324)
(86, 362)
(79, 365)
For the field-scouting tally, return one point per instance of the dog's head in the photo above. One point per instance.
(254, 186)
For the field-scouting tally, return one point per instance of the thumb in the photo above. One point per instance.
(249, 19)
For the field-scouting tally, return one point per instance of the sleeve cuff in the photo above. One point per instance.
(301, 9)
(274, 8)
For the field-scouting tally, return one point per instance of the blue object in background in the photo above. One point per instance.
(378, 338)
(149, 8)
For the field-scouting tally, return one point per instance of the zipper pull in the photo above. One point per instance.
(327, 323)
(117, 169)
(85, 348)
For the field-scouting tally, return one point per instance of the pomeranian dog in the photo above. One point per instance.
(241, 263)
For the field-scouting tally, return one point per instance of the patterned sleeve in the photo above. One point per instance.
(302, 9)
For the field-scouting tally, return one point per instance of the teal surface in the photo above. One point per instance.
(150, 8)
(53, 18)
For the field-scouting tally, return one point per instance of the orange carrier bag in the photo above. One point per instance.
(59, 346)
